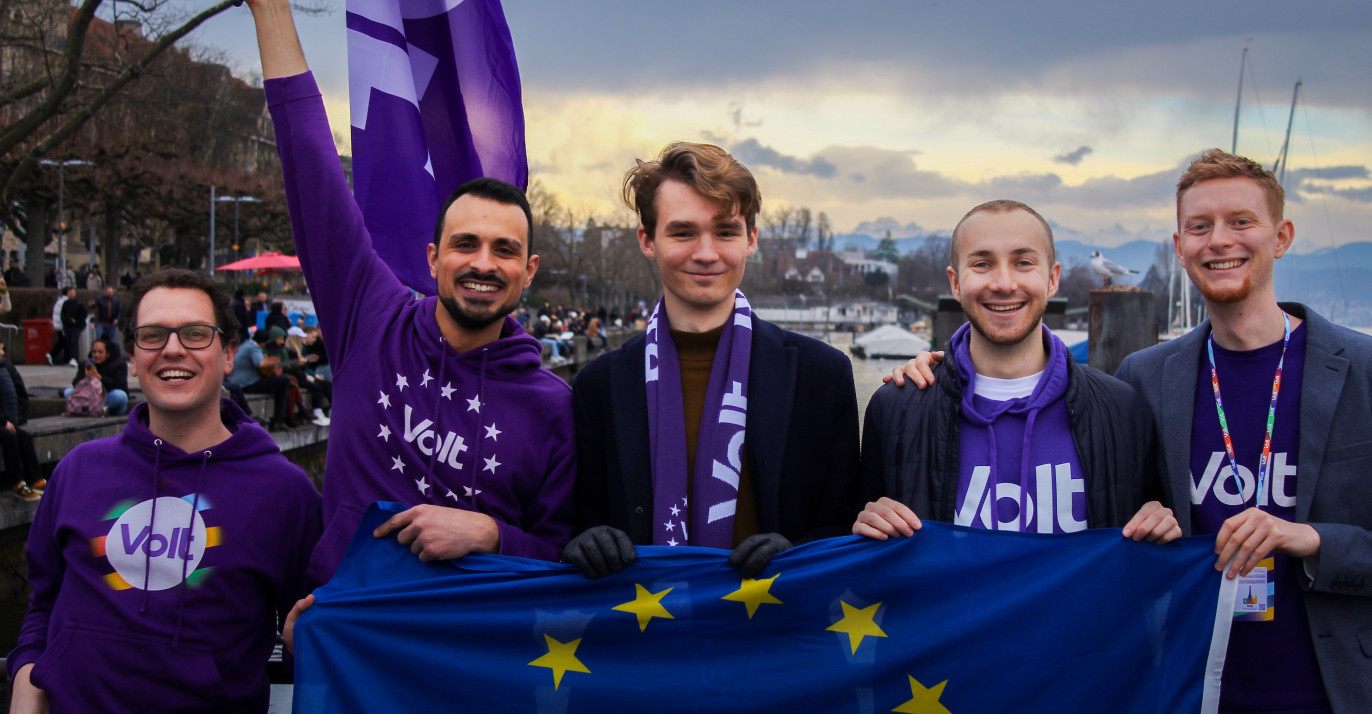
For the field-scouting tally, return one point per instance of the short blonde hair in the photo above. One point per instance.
(1219, 164)
(1001, 205)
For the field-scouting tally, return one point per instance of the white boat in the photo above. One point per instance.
(889, 341)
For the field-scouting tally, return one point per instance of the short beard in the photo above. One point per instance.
(1229, 295)
(467, 320)
(1001, 341)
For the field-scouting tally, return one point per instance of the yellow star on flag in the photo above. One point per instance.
(924, 700)
(646, 605)
(754, 593)
(857, 624)
(561, 658)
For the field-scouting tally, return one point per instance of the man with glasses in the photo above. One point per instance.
(162, 559)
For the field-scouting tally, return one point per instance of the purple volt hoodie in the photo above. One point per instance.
(159, 576)
(1018, 466)
(487, 430)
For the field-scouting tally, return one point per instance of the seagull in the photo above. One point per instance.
(1101, 265)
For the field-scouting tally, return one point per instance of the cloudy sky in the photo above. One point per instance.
(900, 113)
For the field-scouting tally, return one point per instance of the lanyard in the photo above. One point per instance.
(1271, 416)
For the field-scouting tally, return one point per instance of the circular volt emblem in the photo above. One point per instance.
(161, 551)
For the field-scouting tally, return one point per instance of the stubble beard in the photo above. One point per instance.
(1003, 340)
(469, 320)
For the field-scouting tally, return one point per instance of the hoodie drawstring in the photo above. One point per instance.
(476, 433)
(152, 524)
(1024, 475)
(438, 414)
(185, 561)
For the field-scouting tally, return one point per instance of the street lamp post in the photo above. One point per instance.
(61, 195)
(235, 200)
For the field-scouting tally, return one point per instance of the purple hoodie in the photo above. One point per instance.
(1022, 446)
(488, 430)
(159, 576)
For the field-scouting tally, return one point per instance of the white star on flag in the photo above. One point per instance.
(474, 404)
(401, 382)
(384, 401)
(385, 433)
(447, 390)
(671, 541)
(676, 511)
(491, 463)
(669, 525)
(426, 379)
(451, 495)
(492, 433)
(397, 464)
(423, 485)
(468, 491)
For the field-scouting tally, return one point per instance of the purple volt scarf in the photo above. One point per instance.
(719, 449)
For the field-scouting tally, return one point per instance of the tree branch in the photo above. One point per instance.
(76, 44)
(78, 118)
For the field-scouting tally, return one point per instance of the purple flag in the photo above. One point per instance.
(435, 101)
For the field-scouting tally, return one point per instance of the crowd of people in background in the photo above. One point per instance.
(556, 325)
(299, 365)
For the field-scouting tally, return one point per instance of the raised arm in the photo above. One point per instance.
(277, 40)
(349, 284)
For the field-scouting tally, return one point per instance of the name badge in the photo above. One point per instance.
(1253, 599)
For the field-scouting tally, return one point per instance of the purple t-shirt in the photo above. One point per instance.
(1017, 461)
(1270, 666)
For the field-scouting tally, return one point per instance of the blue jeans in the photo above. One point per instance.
(554, 347)
(116, 401)
(109, 332)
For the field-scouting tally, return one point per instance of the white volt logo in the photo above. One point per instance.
(159, 551)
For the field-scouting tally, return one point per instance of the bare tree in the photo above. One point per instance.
(824, 233)
(777, 225)
(803, 221)
(69, 90)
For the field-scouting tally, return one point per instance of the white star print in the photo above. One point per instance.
(452, 495)
(426, 379)
(397, 464)
(447, 390)
(671, 541)
(384, 401)
(474, 404)
(401, 382)
(676, 511)
(422, 484)
(669, 525)
(492, 433)
(491, 463)
(385, 433)
(468, 491)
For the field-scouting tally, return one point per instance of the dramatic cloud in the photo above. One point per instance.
(1302, 183)
(1072, 158)
(752, 153)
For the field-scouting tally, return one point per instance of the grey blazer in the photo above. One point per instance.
(1333, 492)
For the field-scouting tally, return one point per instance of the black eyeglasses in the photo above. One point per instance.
(192, 337)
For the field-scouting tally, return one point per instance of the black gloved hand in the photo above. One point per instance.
(600, 551)
(753, 554)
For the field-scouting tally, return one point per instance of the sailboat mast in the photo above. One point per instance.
(1280, 167)
(1234, 143)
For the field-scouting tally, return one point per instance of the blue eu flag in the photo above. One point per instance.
(950, 620)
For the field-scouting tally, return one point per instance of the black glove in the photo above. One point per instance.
(600, 551)
(753, 554)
